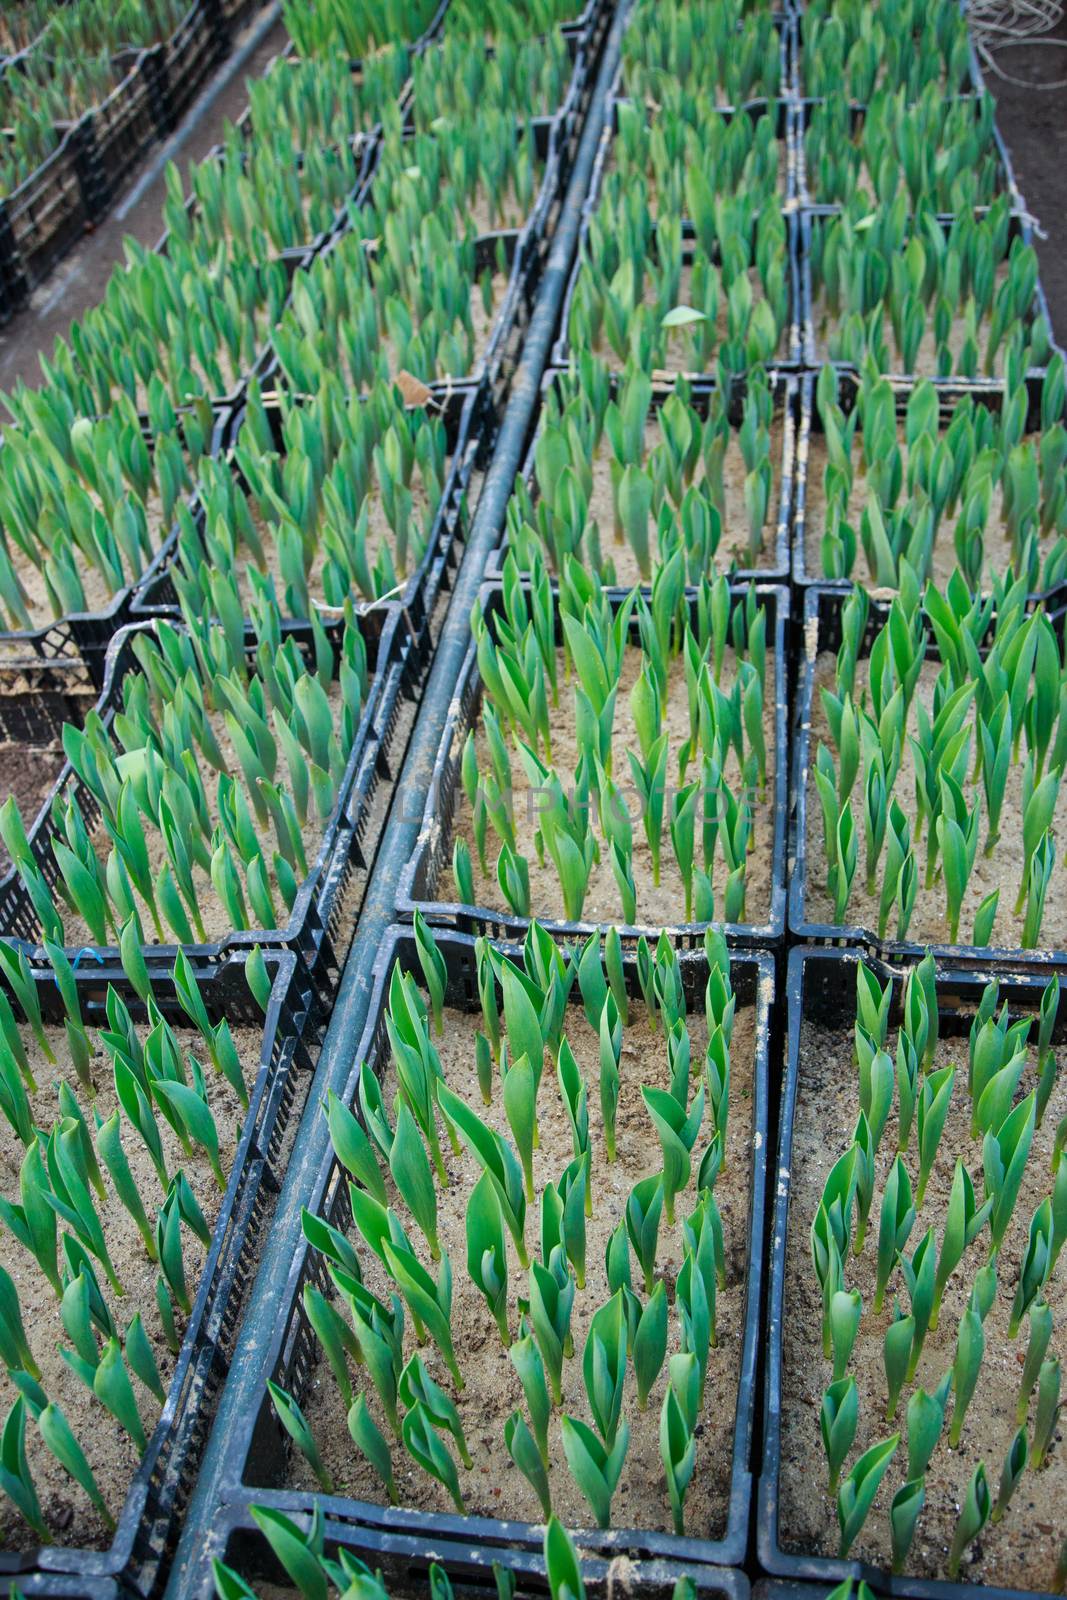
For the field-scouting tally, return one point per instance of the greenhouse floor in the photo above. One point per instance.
(1035, 132)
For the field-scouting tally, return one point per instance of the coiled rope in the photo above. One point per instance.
(999, 25)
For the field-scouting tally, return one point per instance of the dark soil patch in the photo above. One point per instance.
(28, 775)
(1033, 123)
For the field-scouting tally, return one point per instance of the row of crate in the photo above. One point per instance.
(308, 959)
(787, 968)
(814, 988)
(75, 187)
(68, 655)
(399, 653)
(84, 637)
(398, 630)
(305, 957)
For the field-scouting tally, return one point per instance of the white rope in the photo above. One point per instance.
(999, 25)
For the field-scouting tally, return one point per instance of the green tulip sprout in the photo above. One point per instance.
(838, 1417)
(487, 1261)
(904, 1514)
(296, 1426)
(1036, 1349)
(681, 1405)
(925, 1419)
(857, 1492)
(428, 1452)
(1010, 1473)
(1047, 1415)
(594, 1468)
(974, 1514)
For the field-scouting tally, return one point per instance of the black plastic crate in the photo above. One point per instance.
(784, 1589)
(258, 1459)
(470, 426)
(187, 60)
(10, 294)
(569, 118)
(416, 46)
(80, 640)
(295, 256)
(63, 1588)
(432, 855)
(590, 27)
(231, 15)
(786, 133)
(820, 989)
(822, 633)
(349, 838)
(38, 697)
(404, 1559)
(122, 128)
(371, 135)
(1020, 228)
(975, 82)
(546, 140)
(786, 389)
(1006, 183)
(792, 352)
(784, 17)
(752, 108)
(49, 212)
(149, 1519)
(568, 115)
(290, 262)
(523, 253)
(949, 393)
